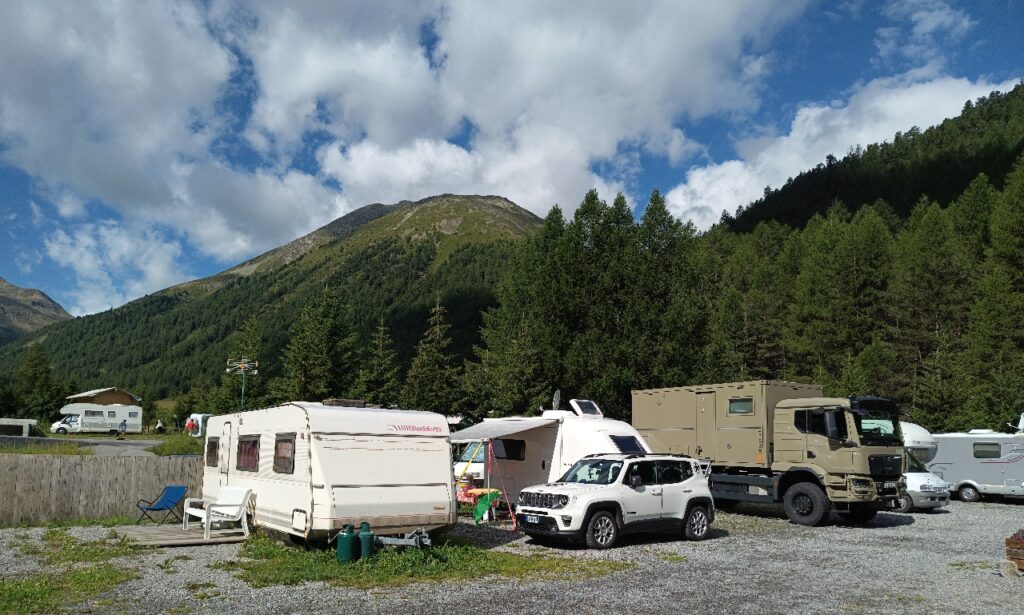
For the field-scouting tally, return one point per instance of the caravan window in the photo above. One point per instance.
(111, 414)
(628, 445)
(284, 453)
(248, 454)
(744, 405)
(986, 450)
(212, 452)
(514, 450)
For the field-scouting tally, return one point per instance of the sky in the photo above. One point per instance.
(143, 144)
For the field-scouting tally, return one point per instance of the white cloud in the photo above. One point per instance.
(874, 112)
(925, 29)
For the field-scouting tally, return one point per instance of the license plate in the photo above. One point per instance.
(532, 519)
(890, 485)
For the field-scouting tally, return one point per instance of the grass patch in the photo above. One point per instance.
(168, 564)
(270, 563)
(57, 547)
(972, 566)
(672, 557)
(64, 523)
(57, 448)
(47, 593)
(178, 444)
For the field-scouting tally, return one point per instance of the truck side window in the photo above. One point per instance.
(646, 470)
(808, 421)
(212, 452)
(986, 450)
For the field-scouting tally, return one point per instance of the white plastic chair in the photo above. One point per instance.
(230, 505)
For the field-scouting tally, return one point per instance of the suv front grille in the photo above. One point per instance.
(538, 500)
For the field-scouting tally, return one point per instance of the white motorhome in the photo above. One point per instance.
(925, 490)
(981, 461)
(527, 450)
(98, 418)
(314, 468)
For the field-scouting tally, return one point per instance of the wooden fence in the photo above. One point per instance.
(41, 488)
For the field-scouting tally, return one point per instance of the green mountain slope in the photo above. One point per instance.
(385, 260)
(23, 310)
(941, 161)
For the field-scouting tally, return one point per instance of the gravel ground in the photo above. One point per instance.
(755, 562)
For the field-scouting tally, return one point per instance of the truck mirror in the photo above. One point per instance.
(831, 428)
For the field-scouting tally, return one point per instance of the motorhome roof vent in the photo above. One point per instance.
(982, 431)
(585, 407)
(346, 403)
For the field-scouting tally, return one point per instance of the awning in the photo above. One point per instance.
(498, 428)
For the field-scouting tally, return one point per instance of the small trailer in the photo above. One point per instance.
(98, 418)
(314, 468)
(526, 450)
(981, 462)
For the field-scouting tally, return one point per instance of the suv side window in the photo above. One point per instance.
(646, 470)
(672, 472)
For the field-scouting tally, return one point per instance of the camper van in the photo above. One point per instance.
(526, 450)
(314, 468)
(981, 462)
(925, 490)
(98, 418)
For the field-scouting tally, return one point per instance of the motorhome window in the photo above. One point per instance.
(133, 415)
(514, 450)
(587, 407)
(628, 445)
(284, 453)
(809, 421)
(111, 414)
(646, 470)
(248, 454)
(744, 405)
(986, 450)
(672, 472)
(212, 452)
(94, 413)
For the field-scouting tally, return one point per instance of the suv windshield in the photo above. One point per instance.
(593, 472)
(878, 428)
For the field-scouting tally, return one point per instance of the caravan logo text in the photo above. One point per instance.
(416, 428)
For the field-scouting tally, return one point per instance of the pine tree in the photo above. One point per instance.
(39, 391)
(377, 381)
(246, 344)
(433, 383)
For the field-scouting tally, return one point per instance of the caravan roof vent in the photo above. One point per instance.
(345, 403)
(584, 407)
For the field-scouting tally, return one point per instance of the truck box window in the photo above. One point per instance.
(284, 453)
(212, 452)
(986, 450)
(743, 405)
(514, 450)
(627, 444)
(248, 454)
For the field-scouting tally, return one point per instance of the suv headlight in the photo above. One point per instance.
(561, 501)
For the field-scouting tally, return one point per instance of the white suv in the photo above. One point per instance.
(604, 496)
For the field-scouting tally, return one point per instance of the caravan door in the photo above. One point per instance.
(223, 463)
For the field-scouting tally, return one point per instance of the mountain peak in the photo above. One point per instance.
(23, 310)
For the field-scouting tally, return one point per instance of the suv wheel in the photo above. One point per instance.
(969, 493)
(697, 525)
(806, 504)
(602, 532)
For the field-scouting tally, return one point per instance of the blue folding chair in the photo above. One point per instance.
(169, 499)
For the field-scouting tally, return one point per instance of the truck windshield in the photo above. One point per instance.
(593, 472)
(878, 428)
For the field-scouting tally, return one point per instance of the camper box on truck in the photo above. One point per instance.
(314, 468)
(773, 441)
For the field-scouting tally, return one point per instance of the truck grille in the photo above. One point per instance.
(538, 500)
(885, 466)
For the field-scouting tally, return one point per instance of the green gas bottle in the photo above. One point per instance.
(365, 540)
(347, 549)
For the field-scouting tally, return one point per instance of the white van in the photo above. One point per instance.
(925, 490)
(528, 450)
(314, 468)
(97, 418)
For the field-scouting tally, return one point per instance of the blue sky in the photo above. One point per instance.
(143, 144)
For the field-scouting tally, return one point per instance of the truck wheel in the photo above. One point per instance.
(806, 504)
(62, 431)
(904, 504)
(602, 532)
(969, 493)
(858, 516)
(697, 526)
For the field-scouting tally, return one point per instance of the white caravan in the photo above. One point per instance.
(314, 468)
(98, 418)
(981, 461)
(925, 490)
(528, 450)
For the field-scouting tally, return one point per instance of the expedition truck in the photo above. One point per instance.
(772, 441)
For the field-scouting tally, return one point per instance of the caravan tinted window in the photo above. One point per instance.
(628, 445)
(133, 415)
(986, 450)
(284, 453)
(509, 449)
(94, 413)
(111, 414)
(248, 454)
(212, 452)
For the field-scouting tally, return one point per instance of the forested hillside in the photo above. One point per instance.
(987, 138)
(23, 310)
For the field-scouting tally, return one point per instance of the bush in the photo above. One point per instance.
(179, 444)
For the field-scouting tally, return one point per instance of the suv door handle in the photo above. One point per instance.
(687, 490)
(655, 491)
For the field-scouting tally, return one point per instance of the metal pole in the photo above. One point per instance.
(243, 390)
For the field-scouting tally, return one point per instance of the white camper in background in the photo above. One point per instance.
(981, 461)
(925, 490)
(540, 449)
(314, 468)
(98, 418)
